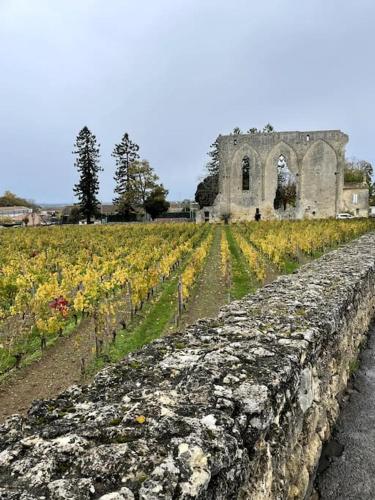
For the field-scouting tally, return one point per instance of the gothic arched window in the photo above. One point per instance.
(286, 191)
(246, 174)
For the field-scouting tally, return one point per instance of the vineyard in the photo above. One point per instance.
(132, 283)
(51, 278)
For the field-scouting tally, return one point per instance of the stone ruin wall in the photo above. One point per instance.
(316, 158)
(235, 407)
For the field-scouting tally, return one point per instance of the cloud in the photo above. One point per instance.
(174, 75)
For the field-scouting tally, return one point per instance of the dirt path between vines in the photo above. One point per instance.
(57, 370)
(209, 293)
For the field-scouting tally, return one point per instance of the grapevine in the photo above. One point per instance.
(51, 276)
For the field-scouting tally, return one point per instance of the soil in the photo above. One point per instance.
(58, 369)
(209, 293)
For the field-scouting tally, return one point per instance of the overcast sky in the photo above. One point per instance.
(174, 74)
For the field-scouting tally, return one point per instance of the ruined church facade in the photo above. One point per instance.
(282, 175)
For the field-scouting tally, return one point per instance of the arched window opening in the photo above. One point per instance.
(286, 191)
(246, 174)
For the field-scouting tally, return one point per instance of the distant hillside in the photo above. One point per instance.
(54, 205)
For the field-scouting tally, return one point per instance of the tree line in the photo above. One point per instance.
(137, 188)
(9, 199)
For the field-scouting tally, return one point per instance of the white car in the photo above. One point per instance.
(345, 216)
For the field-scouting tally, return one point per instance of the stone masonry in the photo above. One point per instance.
(316, 159)
(232, 408)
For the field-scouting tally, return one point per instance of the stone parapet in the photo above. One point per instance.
(298, 137)
(236, 407)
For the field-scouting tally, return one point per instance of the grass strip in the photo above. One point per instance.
(243, 281)
(150, 327)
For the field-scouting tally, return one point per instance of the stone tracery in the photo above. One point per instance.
(254, 170)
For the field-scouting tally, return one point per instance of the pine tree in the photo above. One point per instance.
(87, 163)
(212, 165)
(126, 155)
(237, 131)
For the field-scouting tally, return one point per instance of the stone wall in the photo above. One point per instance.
(315, 158)
(236, 407)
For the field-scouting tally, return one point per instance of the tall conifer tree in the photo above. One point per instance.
(87, 163)
(212, 165)
(126, 155)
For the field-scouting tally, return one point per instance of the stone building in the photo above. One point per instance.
(284, 175)
(355, 199)
(15, 212)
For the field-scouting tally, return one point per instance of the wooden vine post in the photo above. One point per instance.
(180, 298)
(130, 304)
(228, 279)
(96, 330)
